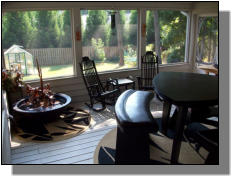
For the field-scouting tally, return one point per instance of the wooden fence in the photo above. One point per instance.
(64, 56)
(109, 51)
(52, 56)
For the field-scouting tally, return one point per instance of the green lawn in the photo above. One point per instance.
(113, 66)
(52, 71)
(67, 70)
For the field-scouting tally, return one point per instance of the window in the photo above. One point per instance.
(43, 35)
(109, 37)
(207, 40)
(166, 35)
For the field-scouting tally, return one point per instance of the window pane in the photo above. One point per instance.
(42, 35)
(166, 34)
(110, 38)
(207, 41)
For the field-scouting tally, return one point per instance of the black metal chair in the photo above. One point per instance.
(149, 68)
(96, 90)
(203, 114)
(208, 138)
(204, 132)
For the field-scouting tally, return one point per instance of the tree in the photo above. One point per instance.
(207, 39)
(173, 27)
(66, 42)
(171, 33)
(99, 53)
(112, 33)
(48, 30)
(150, 36)
(17, 29)
(33, 29)
(132, 40)
(95, 26)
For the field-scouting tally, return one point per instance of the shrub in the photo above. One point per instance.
(131, 51)
(150, 47)
(114, 59)
(99, 53)
(177, 55)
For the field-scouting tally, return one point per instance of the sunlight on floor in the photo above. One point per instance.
(15, 144)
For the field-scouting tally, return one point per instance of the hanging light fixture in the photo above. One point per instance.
(112, 20)
(113, 23)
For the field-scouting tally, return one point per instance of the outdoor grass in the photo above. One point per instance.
(113, 66)
(51, 72)
(67, 70)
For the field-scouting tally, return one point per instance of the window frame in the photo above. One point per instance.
(197, 35)
(72, 39)
(76, 26)
(187, 38)
(138, 34)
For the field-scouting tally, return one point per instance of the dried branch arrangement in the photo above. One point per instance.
(40, 96)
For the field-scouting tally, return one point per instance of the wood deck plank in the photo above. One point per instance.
(74, 150)
(90, 131)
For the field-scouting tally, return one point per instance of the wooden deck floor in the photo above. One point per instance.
(76, 150)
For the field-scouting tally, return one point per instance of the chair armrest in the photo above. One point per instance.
(111, 82)
(138, 77)
(131, 77)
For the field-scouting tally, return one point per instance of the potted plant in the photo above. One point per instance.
(12, 83)
(40, 102)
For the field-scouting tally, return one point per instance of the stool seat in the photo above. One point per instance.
(132, 109)
(123, 82)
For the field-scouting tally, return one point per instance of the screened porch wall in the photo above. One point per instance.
(74, 86)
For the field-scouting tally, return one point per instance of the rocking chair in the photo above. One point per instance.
(97, 92)
(149, 68)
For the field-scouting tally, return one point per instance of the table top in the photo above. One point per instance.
(189, 89)
(124, 81)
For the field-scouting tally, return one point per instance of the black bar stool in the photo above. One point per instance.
(135, 122)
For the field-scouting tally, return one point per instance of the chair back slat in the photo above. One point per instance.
(90, 76)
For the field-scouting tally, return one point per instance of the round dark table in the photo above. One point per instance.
(184, 90)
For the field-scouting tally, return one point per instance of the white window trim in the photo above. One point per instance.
(76, 21)
(187, 41)
(139, 37)
(74, 44)
(6, 135)
(193, 36)
(142, 40)
(194, 61)
(188, 34)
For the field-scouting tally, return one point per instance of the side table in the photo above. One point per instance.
(123, 82)
(209, 69)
